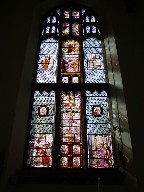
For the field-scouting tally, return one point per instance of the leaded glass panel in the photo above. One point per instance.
(53, 19)
(70, 155)
(87, 29)
(87, 19)
(42, 130)
(53, 29)
(93, 29)
(100, 151)
(47, 62)
(83, 11)
(48, 20)
(65, 29)
(98, 130)
(58, 11)
(76, 29)
(75, 14)
(70, 62)
(94, 61)
(93, 19)
(48, 29)
(66, 14)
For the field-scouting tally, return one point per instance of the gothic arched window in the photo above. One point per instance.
(70, 125)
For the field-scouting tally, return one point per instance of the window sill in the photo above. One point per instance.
(109, 176)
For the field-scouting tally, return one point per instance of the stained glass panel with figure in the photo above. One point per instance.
(70, 62)
(76, 29)
(98, 130)
(42, 130)
(65, 28)
(47, 62)
(94, 61)
(70, 154)
(66, 14)
(100, 151)
(75, 14)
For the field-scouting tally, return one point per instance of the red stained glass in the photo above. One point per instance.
(76, 162)
(100, 153)
(66, 14)
(76, 29)
(70, 62)
(64, 162)
(75, 79)
(43, 111)
(64, 149)
(97, 110)
(45, 62)
(93, 62)
(75, 14)
(40, 152)
(76, 149)
(65, 29)
(70, 130)
(70, 47)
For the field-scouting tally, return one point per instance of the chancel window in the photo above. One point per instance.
(70, 124)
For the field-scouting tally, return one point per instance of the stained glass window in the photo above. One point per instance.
(70, 123)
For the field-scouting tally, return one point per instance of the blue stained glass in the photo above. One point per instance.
(48, 20)
(93, 19)
(93, 29)
(83, 11)
(54, 19)
(48, 29)
(47, 63)
(94, 61)
(58, 11)
(99, 140)
(87, 29)
(42, 130)
(87, 19)
(53, 29)
(42, 32)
